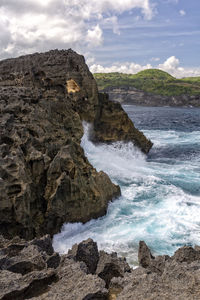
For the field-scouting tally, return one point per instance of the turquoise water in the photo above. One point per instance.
(160, 200)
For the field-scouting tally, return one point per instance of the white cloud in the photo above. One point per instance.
(38, 25)
(95, 36)
(182, 12)
(127, 68)
(170, 65)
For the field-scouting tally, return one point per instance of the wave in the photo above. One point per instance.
(158, 203)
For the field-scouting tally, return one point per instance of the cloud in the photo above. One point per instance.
(170, 65)
(95, 36)
(38, 25)
(182, 12)
(127, 68)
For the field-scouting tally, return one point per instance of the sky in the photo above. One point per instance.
(114, 35)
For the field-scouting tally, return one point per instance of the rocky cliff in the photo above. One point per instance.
(45, 178)
(131, 95)
(32, 270)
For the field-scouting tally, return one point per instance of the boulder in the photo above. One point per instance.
(110, 265)
(86, 252)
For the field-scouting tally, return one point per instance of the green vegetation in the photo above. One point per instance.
(152, 80)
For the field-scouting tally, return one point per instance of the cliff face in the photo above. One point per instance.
(130, 95)
(45, 178)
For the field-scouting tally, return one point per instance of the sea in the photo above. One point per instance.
(160, 201)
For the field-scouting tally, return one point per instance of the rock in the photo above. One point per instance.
(53, 261)
(28, 260)
(164, 277)
(131, 95)
(144, 255)
(15, 286)
(110, 266)
(113, 124)
(63, 278)
(186, 254)
(86, 252)
(74, 284)
(45, 178)
(44, 244)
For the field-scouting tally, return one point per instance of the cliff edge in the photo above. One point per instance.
(45, 178)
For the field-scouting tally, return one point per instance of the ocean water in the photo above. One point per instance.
(160, 200)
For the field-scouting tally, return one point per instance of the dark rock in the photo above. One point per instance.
(110, 266)
(144, 255)
(113, 124)
(53, 261)
(28, 260)
(75, 284)
(176, 277)
(17, 287)
(45, 178)
(86, 252)
(44, 244)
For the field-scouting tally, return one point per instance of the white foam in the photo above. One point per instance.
(154, 207)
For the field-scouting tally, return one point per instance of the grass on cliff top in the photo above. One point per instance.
(152, 80)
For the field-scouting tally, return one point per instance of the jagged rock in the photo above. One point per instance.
(110, 265)
(164, 277)
(53, 261)
(11, 247)
(113, 124)
(86, 252)
(144, 255)
(45, 178)
(186, 254)
(28, 260)
(17, 287)
(44, 244)
(75, 284)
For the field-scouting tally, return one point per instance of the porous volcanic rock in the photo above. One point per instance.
(164, 277)
(113, 124)
(45, 178)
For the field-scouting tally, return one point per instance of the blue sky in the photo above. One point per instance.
(114, 35)
(169, 32)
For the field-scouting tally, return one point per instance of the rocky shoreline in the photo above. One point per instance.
(45, 178)
(32, 270)
(130, 95)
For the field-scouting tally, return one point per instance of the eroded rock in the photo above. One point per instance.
(45, 178)
(86, 252)
(110, 265)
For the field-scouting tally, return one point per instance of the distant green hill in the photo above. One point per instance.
(152, 80)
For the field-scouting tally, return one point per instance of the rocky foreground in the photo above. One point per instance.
(131, 95)
(45, 178)
(32, 270)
